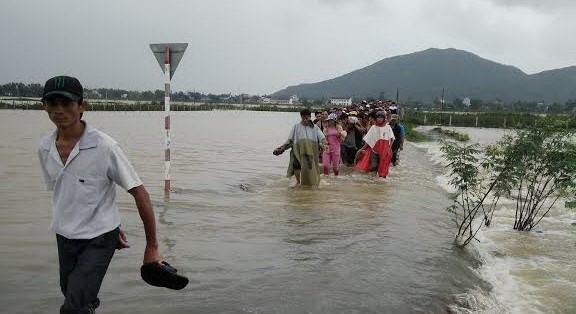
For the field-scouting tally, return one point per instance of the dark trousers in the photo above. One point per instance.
(396, 149)
(83, 264)
(348, 154)
(395, 156)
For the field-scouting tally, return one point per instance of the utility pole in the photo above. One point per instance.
(442, 101)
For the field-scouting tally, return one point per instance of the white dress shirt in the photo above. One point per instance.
(84, 191)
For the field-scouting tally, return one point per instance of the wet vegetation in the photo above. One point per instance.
(486, 119)
(534, 166)
(462, 137)
(412, 135)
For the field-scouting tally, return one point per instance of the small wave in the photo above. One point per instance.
(475, 301)
(197, 191)
(509, 294)
(444, 182)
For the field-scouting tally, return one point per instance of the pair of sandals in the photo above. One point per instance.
(162, 274)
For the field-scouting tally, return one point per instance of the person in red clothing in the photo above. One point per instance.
(377, 153)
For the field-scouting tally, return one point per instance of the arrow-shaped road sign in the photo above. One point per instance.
(176, 52)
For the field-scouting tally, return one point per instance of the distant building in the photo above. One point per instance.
(93, 94)
(467, 101)
(252, 99)
(292, 100)
(225, 97)
(243, 98)
(282, 101)
(341, 102)
(542, 106)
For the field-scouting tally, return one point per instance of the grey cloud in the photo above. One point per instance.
(260, 46)
(340, 2)
(367, 6)
(544, 5)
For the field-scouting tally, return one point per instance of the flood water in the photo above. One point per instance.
(251, 244)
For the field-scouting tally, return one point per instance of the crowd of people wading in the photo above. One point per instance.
(365, 136)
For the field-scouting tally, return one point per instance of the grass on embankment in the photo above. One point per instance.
(506, 120)
(462, 137)
(413, 135)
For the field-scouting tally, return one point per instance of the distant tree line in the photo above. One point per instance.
(457, 104)
(479, 105)
(35, 90)
(21, 90)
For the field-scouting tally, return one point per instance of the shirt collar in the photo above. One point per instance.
(47, 141)
(89, 138)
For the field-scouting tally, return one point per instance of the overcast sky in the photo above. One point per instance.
(260, 46)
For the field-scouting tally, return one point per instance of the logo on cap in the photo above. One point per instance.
(59, 81)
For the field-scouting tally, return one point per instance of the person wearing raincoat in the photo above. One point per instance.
(376, 155)
(306, 141)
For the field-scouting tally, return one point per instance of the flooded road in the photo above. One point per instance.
(248, 242)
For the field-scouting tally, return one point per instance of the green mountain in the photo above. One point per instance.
(421, 76)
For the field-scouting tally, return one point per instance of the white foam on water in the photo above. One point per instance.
(509, 292)
(444, 182)
(433, 151)
(475, 301)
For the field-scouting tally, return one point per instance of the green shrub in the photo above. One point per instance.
(413, 135)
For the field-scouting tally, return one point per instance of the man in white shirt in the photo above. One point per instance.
(82, 165)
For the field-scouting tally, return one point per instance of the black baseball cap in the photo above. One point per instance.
(65, 86)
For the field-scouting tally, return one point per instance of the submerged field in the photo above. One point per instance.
(250, 244)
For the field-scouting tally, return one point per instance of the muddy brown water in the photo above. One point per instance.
(248, 242)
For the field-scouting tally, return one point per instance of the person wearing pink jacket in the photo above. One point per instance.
(334, 135)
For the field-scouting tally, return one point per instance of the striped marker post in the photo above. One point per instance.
(167, 121)
(168, 57)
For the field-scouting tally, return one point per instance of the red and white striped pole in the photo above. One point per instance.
(167, 121)
(168, 56)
